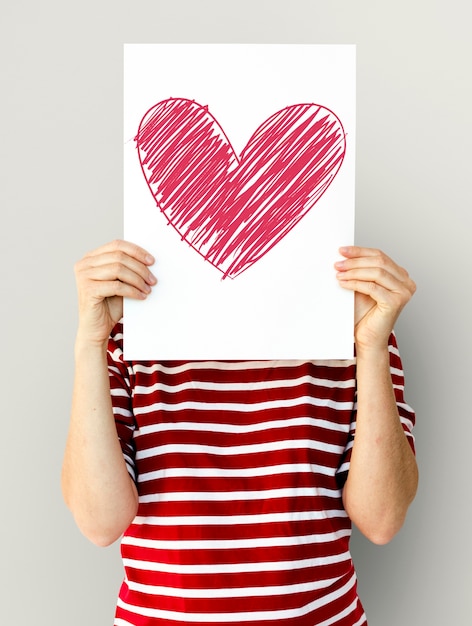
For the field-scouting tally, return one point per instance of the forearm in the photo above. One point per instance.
(96, 484)
(383, 475)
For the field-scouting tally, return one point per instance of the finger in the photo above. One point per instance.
(116, 271)
(379, 275)
(130, 249)
(101, 289)
(358, 251)
(393, 299)
(120, 261)
(370, 257)
(377, 292)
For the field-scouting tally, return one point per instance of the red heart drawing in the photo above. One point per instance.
(234, 210)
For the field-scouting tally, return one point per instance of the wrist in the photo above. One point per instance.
(371, 342)
(372, 353)
(87, 344)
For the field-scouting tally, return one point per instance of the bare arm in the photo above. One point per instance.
(383, 475)
(95, 482)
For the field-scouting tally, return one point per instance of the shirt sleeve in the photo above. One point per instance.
(405, 412)
(120, 390)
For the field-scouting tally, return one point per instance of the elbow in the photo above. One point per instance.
(380, 519)
(102, 534)
(390, 523)
(100, 539)
(100, 527)
(103, 530)
(379, 526)
(381, 536)
(383, 527)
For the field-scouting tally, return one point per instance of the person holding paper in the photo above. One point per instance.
(234, 484)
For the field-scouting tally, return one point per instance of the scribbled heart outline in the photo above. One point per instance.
(221, 204)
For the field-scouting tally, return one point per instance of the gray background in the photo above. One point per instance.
(61, 173)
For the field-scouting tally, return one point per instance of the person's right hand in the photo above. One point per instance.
(104, 276)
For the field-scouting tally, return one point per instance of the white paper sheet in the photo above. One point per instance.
(229, 148)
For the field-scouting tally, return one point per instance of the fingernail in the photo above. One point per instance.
(149, 259)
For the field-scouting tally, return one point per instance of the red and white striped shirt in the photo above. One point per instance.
(239, 467)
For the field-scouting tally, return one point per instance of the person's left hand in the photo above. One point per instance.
(382, 288)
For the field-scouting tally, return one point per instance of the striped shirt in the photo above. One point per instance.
(239, 467)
